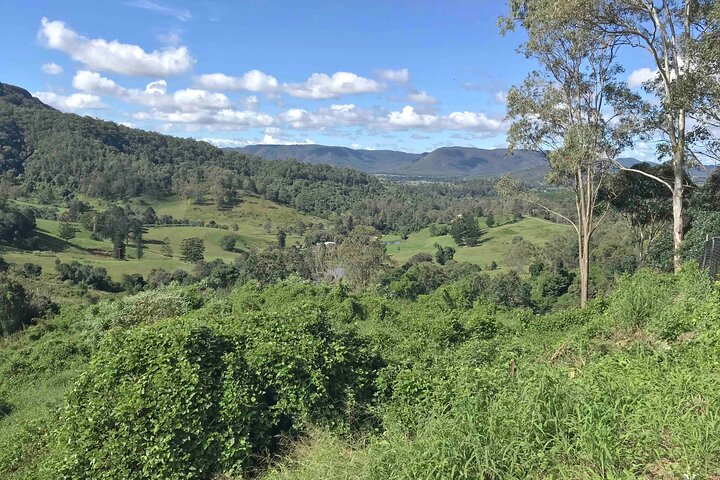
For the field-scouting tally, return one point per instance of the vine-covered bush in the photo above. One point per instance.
(189, 397)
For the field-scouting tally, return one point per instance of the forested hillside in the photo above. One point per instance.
(58, 155)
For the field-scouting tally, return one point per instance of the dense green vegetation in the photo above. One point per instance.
(173, 384)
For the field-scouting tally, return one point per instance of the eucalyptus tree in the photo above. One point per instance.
(680, 38)
(573, 108)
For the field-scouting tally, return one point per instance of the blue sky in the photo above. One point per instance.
(408, 75)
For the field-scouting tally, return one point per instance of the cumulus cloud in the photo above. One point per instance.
(408, 118)
(113, 56)
(223, 119)
(640, 76)
(421, 96)
(158, 86)
(269, 138)
(52, 69)
(93, 82)
(181, 14)
(318, 86)
(321, 86)
(397, 76)
(71, 103)
(327, 117)
(154, 95)
(253, 81)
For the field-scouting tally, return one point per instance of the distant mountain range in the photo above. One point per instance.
(442, 162)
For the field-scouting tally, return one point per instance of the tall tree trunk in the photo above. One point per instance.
(678, 217)
(584, 263)
(679, 165)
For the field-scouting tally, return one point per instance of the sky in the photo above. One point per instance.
(410, 75)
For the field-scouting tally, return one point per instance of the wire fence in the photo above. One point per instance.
(711, 257)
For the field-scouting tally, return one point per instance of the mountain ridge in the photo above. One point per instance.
(454, 161)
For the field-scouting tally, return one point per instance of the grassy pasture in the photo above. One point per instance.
(494, 242)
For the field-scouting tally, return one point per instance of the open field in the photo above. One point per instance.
(494, 242)
(251, 215)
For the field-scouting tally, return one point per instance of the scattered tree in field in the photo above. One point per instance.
(465, 230)
(192, 250)
(281, 238)
(228, 242)
(166, 248)
(490, 220)
(443, 254)
(66, 230)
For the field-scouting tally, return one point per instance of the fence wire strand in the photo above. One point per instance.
(711, 257)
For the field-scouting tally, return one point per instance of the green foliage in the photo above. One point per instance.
(15, 311)
(465, 230)
(66, 231)
(192, 249)
(453, 381)
(211, 393)
(228, 242)
(78, 274)
(443, 254)
(16, 226)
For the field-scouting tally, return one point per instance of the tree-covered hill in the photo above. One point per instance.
(44, 150)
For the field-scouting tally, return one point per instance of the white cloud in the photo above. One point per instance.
(408, 117)
(225, 119)
(113, 56)
(269, 138)
(52, 69)
(76, 101)
(421, 96)
(181, 14)
(92, 82)
(321, 86)
(398, 76)
(473, 121)
(327, 117)
(640, 76)
(158, 86)
(251, 103)
(501, 97)
(253, 81)
(154, 95)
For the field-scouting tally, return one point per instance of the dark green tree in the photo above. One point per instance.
(228, 242)
(166, 249)
(66, 230)
(490, 220)
(14, 307)
(192, 249)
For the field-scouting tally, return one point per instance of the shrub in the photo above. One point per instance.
(15, 312)
(193, 397)
(5, 408)
(228, 242)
